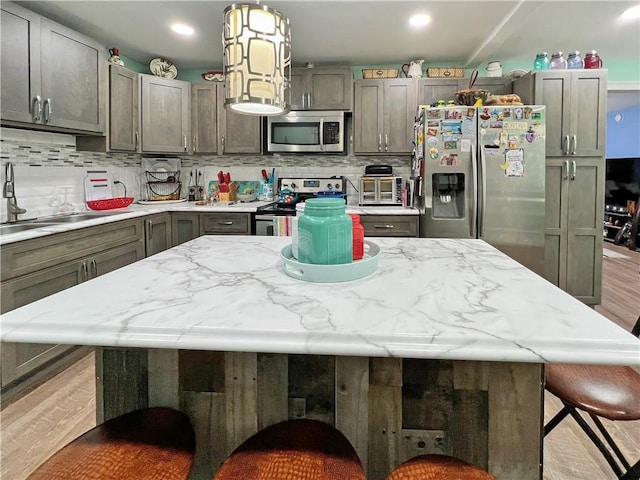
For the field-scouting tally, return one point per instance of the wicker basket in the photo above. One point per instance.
(445, 72)
(379, 73)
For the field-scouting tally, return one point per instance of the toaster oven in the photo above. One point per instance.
(380, 190)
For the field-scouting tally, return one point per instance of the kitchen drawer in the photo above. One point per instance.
(390, 225)
(226, 224)
(25, 257)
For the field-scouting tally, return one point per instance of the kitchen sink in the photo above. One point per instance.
(74, 218)
(7, 228)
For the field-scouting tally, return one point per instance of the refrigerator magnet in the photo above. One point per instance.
(451, 145)
(449, 160)
(432, 141)
(515, 163)
(530, 135)
(433, 153)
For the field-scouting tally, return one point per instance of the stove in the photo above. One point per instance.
(305, 188)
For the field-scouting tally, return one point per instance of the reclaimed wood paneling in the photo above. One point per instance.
(201, 371)
(421, 442)
(312, 377)
(469, 426)
(241, 397)
(352, 405)
(163, 378)
(273, 377)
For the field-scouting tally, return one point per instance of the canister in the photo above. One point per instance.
(325, 232)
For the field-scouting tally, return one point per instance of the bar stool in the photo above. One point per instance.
(438, 467)
(294, 450)
(148, 444)
(607, 391)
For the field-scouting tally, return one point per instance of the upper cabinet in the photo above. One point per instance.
(165, 108)
(322, 88)
(147, 114)
(575, 109)
(217, 130)
(53, 78)
(384, 116)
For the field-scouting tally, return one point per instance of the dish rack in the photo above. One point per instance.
(163, 185)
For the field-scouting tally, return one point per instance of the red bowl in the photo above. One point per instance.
(109, 203)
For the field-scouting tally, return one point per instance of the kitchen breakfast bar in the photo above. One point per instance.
(441, 350)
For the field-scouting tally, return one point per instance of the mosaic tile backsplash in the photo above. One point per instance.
(47, 167)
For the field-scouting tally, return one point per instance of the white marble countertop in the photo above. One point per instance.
(429, 298)
(137, 210)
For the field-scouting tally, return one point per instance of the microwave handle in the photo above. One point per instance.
(321, 134)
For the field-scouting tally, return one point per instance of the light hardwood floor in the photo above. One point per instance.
(40, 423)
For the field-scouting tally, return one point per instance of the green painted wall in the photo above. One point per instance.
(618, 71)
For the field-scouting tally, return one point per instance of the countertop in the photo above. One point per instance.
(138, 210)
(429, 298)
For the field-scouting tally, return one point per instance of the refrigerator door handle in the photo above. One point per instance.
(573, 170)
(566, 170)
(476, 229)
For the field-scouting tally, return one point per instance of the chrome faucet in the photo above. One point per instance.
(8, 192)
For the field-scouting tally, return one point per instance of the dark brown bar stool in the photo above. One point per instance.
(294, 450)
(148, 444)
(611, 392)
(438, 467)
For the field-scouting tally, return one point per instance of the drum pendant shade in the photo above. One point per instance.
(257, 60)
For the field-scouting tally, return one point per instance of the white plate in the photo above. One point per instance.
(161, 67)
(157, 202)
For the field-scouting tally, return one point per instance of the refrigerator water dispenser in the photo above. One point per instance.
(448, 195)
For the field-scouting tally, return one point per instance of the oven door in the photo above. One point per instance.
(264, 225)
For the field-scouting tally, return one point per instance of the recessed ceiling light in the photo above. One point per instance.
(182, 29)
(633, 12)
(419, 20)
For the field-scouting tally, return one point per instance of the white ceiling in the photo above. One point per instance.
(462, 33)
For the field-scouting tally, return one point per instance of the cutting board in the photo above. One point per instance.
(97, 185)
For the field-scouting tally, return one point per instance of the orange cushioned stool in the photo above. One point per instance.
(148, 444)
(294, 450)
(438, 467)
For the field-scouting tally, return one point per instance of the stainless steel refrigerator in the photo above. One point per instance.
(482, 172)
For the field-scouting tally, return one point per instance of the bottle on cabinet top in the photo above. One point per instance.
(575, 60)
(557, 61)
(541, 62)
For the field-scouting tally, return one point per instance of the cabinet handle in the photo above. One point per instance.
(386, 142)
(135, 140)
(195, 144)
(387, 226)
(379, 142)
(185, 144)
(223, 144)
(150, 224)
(36, 102)
(228, 222)
(309, 101)
(575, 145)
(565, 145)
(94, 268)
(566, 170)
(573, 170)
(85, 272)
(48, 112)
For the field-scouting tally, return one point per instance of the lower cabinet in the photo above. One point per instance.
(37, 268)
(184, 227)
(157, 233)
(390, 225)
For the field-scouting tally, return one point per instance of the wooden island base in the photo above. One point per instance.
(391, 409)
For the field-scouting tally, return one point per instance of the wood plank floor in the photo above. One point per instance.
(40, 423)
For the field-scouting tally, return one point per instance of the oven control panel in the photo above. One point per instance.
(313, 185)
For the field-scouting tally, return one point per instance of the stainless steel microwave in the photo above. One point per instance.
(306, 131)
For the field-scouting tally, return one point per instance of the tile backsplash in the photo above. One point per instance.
(47, 166)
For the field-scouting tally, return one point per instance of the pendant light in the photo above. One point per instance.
(257, 60)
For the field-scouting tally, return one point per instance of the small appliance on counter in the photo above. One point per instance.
(378, 186)
(298, 190)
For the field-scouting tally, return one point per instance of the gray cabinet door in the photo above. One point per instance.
(330, 89)
(574, 208)
(226, 224)
(398, 115)
(73, 70)
(115, 258)
(157, 233)
(588, 112)
(123, 109)
(204, 118)
(390, 225)
(238, 133)
(184, 227)
(553, 89)
(430, 90)
(165, 114)
(20, 63)
(494, 85)
(367, 118)
(298, 88)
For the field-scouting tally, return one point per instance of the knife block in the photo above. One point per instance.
(231, 195)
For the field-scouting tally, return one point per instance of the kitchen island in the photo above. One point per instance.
(440, 350)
